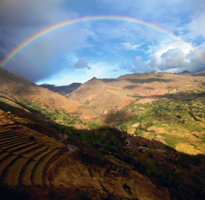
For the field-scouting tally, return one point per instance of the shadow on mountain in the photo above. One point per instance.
(8, 97)
(130, 87)
(141, 81)
(14, 100)
(63, 90)
(39, 122)
(148, 88)
(184, 96)
(183, 175)
(199, 74)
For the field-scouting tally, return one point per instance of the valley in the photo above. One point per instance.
(140, 136)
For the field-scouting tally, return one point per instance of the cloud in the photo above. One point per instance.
(98, 70)
(171, 57)
(129, 67)
(137, 61)
(39, 58)
(196, 26)
(81, 63)
(105, 42)
(135, 67)
(128, 46)
(174, 60)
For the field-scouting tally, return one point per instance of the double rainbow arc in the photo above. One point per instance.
(88, 18)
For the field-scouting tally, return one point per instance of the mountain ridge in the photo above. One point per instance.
(16, 88)
(148, 87)
(64, 89)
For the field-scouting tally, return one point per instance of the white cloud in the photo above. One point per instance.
(196, 26)
(100, 40)
(174, 58)
(128, 47)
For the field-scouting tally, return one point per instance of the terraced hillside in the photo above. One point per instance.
(29, 158)
(102, 165)
(24, 154)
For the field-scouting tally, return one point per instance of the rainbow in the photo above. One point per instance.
(100, 17)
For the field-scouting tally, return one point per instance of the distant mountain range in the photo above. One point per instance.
(62, 89)
(184, 72)
(99, 96)
(105, 94)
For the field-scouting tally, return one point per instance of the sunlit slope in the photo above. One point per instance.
(178, 120)
(106, 94)
(100, 96)
(20, 90)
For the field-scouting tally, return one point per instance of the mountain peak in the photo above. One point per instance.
(94, 78)
(185, 71)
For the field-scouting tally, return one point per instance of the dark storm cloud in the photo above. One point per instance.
(37, 60)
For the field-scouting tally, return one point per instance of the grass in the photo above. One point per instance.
(21, 146)
(13, 143)
(8, 138)
(27, 174)
(38, 171)
(13, 172)
(3, 155)
(202, 138)
(25, 149)
(8, 146)
(35, 151)
(6, 162)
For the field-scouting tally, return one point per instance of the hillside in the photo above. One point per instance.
(145, 146)
(23, 91)
(63, 90)
(97, 163)
(100, 96)
(106, 94)
(8, 78)
(28, 158)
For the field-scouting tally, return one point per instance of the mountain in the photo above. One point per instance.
(10, 78)
(185, 71)
(105, 94)
(20, 90)
(63, 90)
(52, 147)
(100, 96)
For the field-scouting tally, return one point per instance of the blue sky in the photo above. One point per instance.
(102, 48)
